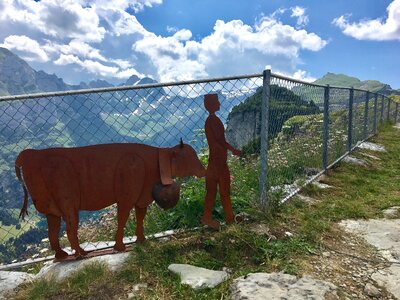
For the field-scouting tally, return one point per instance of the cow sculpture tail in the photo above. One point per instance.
(18, 165)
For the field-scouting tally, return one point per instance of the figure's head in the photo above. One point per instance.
(211, 102)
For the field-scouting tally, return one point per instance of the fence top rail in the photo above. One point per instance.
(160, 85)
(124, 88)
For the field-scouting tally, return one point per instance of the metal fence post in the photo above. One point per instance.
(388, 111)
(350, 128)
(382, 108)
(396, 114)
(375, 111)
(366, 117)
(325, 129)
(264, 137)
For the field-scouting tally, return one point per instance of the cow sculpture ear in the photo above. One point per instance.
(164, 160)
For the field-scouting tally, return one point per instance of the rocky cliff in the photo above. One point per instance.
(244, 121)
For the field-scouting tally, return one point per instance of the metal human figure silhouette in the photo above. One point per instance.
(217, 174)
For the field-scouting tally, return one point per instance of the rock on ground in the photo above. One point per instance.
(62, 270)
(321, 185)
(372, 147)
(384, 235)
(392, 212)
(355, 161)
(10, 280)
(198, 278)
(256, 286)
(389, 278)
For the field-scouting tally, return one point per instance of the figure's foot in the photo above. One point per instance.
(140, 239)
(213, 224)
(61, 254)
(80, 253)
(237, 219)
(120, 247)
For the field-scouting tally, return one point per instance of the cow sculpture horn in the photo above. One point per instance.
(181, 143)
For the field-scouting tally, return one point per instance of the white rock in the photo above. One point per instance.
(321, 185)
(372, 147)
(355, 161)
(61, 270)
(11, 280)
(137, 287)
(384, 235)
(390, 279)
(258, 286)
(391, 212)
(307, 199)
(371, 290)
(198, 278)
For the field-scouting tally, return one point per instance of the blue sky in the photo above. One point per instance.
(170, 40)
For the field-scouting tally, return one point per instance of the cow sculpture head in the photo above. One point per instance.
(179, 161)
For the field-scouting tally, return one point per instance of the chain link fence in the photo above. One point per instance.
(304, 127)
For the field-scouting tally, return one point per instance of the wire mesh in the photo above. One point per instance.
(157, 116)
(295, 133)
(338, 123)
(161, 114)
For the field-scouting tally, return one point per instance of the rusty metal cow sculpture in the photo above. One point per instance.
(62, 181)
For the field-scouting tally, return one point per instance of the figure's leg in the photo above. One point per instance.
(72, 222)
(211, 193)
(54, 224)
(122, 215)
(140, 214)
(224, 191)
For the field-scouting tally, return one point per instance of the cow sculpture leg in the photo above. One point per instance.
(122, 215)
(140, 214)
(72, 222)
(54, 224)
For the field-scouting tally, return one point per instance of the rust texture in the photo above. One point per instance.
(62, 181)
(217, 174)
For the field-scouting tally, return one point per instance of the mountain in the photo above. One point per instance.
(244, 120)
(342, 80)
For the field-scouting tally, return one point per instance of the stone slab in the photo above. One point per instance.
(372, 147)
(260, 286)
(9, 281)
(198, 278)
(62, 270)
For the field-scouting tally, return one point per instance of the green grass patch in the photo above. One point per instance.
(291, 236)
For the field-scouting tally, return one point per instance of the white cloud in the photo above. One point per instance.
(232, 48)
(303, 75)
(96, 67)
(56, 18)
(183, 35)
(30, 48)
(299, 13)
(105, 39)
(136, 5)
(376, 29)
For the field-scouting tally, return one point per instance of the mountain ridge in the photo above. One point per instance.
(18, 77)
(343, 80)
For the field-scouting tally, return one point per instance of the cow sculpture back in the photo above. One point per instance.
(62, 181)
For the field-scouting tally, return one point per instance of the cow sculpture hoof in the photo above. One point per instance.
(119, 247)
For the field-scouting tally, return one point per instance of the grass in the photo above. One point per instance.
(287, 240)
